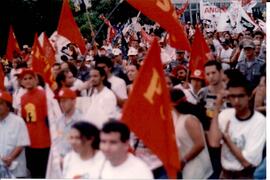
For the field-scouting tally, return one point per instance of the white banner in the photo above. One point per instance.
(236, 20)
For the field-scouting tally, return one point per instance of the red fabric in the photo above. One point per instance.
(163, 12)
(68, 28)
(180, 11)
(146, 36)
(12, 45)
(111, 32)
(41, 63)
(2, 78)
(48, 50)
(34, 112)
(49, 54)
(199, 52)
(148, 111)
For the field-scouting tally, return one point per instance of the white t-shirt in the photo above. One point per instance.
(77, 85)
(249, 135)
(102, 107)
(225, 57)
(132, 168)
(74, 166)
(118, 86)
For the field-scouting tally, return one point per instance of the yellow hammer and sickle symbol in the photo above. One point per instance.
(154, 88)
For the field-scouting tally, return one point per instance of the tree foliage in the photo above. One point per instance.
(35, 16)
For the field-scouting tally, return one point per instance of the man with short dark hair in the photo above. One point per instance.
(207, 97)
(120, 164)
(242, 130)
(250, 67)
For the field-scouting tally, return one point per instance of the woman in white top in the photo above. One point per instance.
(85, 160)
(195, 160)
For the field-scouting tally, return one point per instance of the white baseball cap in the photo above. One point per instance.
(116, 51)
(132, 51)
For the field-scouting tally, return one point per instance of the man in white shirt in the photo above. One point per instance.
(102, 104)
(13, 138)
(120, 164)
(118, 85)
(243, 131)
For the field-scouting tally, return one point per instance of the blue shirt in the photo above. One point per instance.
(251, 70)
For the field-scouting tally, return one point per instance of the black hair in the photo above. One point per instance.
(185, 107)
(213, 63)
(233, 73)
(73, 69)
(41, 81)
(117, 126)
(61, 77)
(103, 73)
(240, 82)
(258, 33)
(88, 131)
(104, 60)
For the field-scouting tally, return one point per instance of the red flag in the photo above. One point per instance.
(180, 11)
(199, 53)
(48, 50)
(148, 111)
(163, 12)
(2, 78)
(111, 32)
(12, 45)
(40, 63)
(49, 54)
(68, 28)
(146, 37)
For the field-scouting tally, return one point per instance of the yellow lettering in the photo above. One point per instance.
(153, 88)
(164, 5)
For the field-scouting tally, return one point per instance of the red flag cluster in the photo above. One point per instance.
(41, 62)
(148, 112)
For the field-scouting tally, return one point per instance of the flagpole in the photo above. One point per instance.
(88, 19)
(110, 14)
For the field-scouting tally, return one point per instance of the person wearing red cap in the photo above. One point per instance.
(13, 138)
(60, 145)
(34, 112)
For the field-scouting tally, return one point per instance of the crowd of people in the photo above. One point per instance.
(73, 129)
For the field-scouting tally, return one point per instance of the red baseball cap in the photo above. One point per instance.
(4, 95)
(66, 93)
(25, 71)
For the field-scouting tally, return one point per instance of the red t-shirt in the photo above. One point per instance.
(34, 112)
